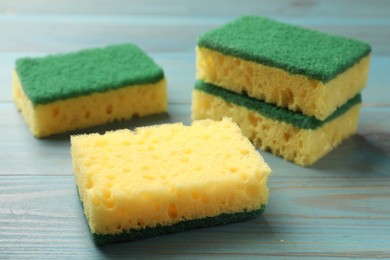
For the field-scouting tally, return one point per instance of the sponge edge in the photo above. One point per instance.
(274, 85)
(125, 196)
(130, 235)
(300, 146)
(87, 111)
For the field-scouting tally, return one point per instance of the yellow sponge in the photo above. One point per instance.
(167, 178)
(274, 85)
(293, 91)
(286, 65)
(283, 137)
(64, 92)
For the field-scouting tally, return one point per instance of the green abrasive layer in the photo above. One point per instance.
(297, 50)
(274, 112)
(101, 239)
(63, 76)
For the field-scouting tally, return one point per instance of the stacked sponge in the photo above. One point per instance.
(293, 91)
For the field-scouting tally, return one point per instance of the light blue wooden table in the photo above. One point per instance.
(339, 208)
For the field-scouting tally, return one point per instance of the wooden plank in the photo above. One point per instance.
(71, 36)
(290, 8)
(49, 33)
(345, 215)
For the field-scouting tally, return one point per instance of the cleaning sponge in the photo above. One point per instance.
(167, 178)
(294, 136)
(297, 68)
(63, 92)
(293, 91)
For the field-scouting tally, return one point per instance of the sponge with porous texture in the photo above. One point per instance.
(294, 136)
(293, 67)
(271, 111)
(167, 178)
(63, 92)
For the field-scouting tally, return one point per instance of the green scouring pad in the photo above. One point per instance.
(295, 49)
(63, 76)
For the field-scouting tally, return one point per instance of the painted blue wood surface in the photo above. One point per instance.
(338, 208)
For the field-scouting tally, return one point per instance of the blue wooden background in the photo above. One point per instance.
(339, 208)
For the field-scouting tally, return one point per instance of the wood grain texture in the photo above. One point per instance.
(337, 209)
(310, 214)
(70, 32)
(352, 9)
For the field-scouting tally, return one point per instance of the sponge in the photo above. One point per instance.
(167, 178)
(64, 92)
(294, 136)
(293, 91)
(297, 68)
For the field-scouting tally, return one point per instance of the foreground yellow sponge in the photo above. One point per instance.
(167, 178)
(64, 92)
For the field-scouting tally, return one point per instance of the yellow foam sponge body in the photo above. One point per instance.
(160, 176)
(301, 146)
(63, 92)
(91, 110)
(274, 85)
(292, 90)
